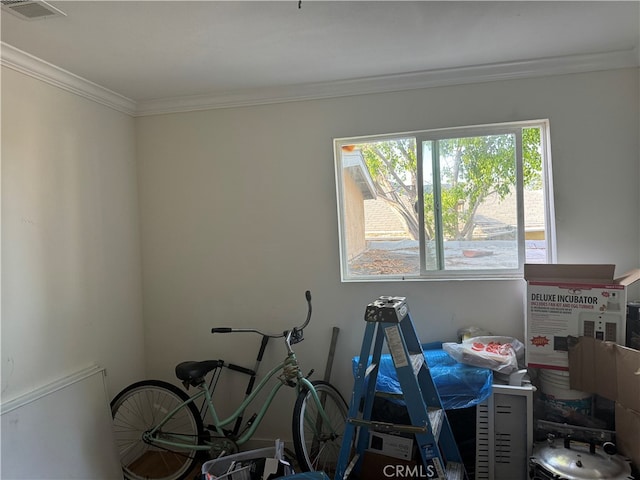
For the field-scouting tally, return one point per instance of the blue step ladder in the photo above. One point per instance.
(388, 319)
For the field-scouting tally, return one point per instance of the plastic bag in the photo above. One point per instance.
(500, 354)
(459, 385)
(472, 331)
(263, 463)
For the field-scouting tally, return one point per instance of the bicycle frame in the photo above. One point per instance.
(301, 382)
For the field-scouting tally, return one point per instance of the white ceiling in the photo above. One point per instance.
(150, 50)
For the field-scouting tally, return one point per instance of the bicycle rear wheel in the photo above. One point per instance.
(317, 443)
(136, 410)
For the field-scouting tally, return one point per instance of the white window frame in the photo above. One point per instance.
(444, 133)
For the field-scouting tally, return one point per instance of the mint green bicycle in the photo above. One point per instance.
(161, 433)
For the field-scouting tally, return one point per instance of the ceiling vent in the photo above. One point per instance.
(31, 10)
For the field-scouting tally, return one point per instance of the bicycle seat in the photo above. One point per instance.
(194, 372)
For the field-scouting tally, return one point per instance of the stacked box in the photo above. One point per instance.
(612, 371)
(572, 300)
(633, 325)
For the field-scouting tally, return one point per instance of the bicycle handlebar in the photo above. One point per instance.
(221, 330)
(307, 295)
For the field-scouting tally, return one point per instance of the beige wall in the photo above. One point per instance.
(236, 224)
(71, 281)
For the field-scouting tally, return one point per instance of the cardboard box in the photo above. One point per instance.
(611, 371)
(633, 325)
(572, 300)
(391, 445)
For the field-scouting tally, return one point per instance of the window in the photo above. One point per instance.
(470, 202)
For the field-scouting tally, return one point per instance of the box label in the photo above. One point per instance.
(391, 445)
(556, 311)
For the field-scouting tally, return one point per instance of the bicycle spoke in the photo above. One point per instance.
(168, 454)
(318, 428)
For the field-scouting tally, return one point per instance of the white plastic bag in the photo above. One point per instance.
(500, 354)
(264, 463)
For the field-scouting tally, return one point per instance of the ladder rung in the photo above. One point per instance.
(389, 394)
(388, 427)
(455, 471)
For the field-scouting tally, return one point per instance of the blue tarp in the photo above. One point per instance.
(459, 385)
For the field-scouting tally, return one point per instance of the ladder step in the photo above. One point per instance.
(436, 417)
(388, 427)
(455, 471)
(380, 394)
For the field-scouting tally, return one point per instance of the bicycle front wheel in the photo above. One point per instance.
(316, 441)
(139, 408)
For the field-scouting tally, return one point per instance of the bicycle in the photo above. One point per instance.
(160, 431)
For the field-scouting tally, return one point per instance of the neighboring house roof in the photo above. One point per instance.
(499, 211)
(381, 219)
(353, 163)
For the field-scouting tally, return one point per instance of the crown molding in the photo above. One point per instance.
(399, 82)
(27, 64)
